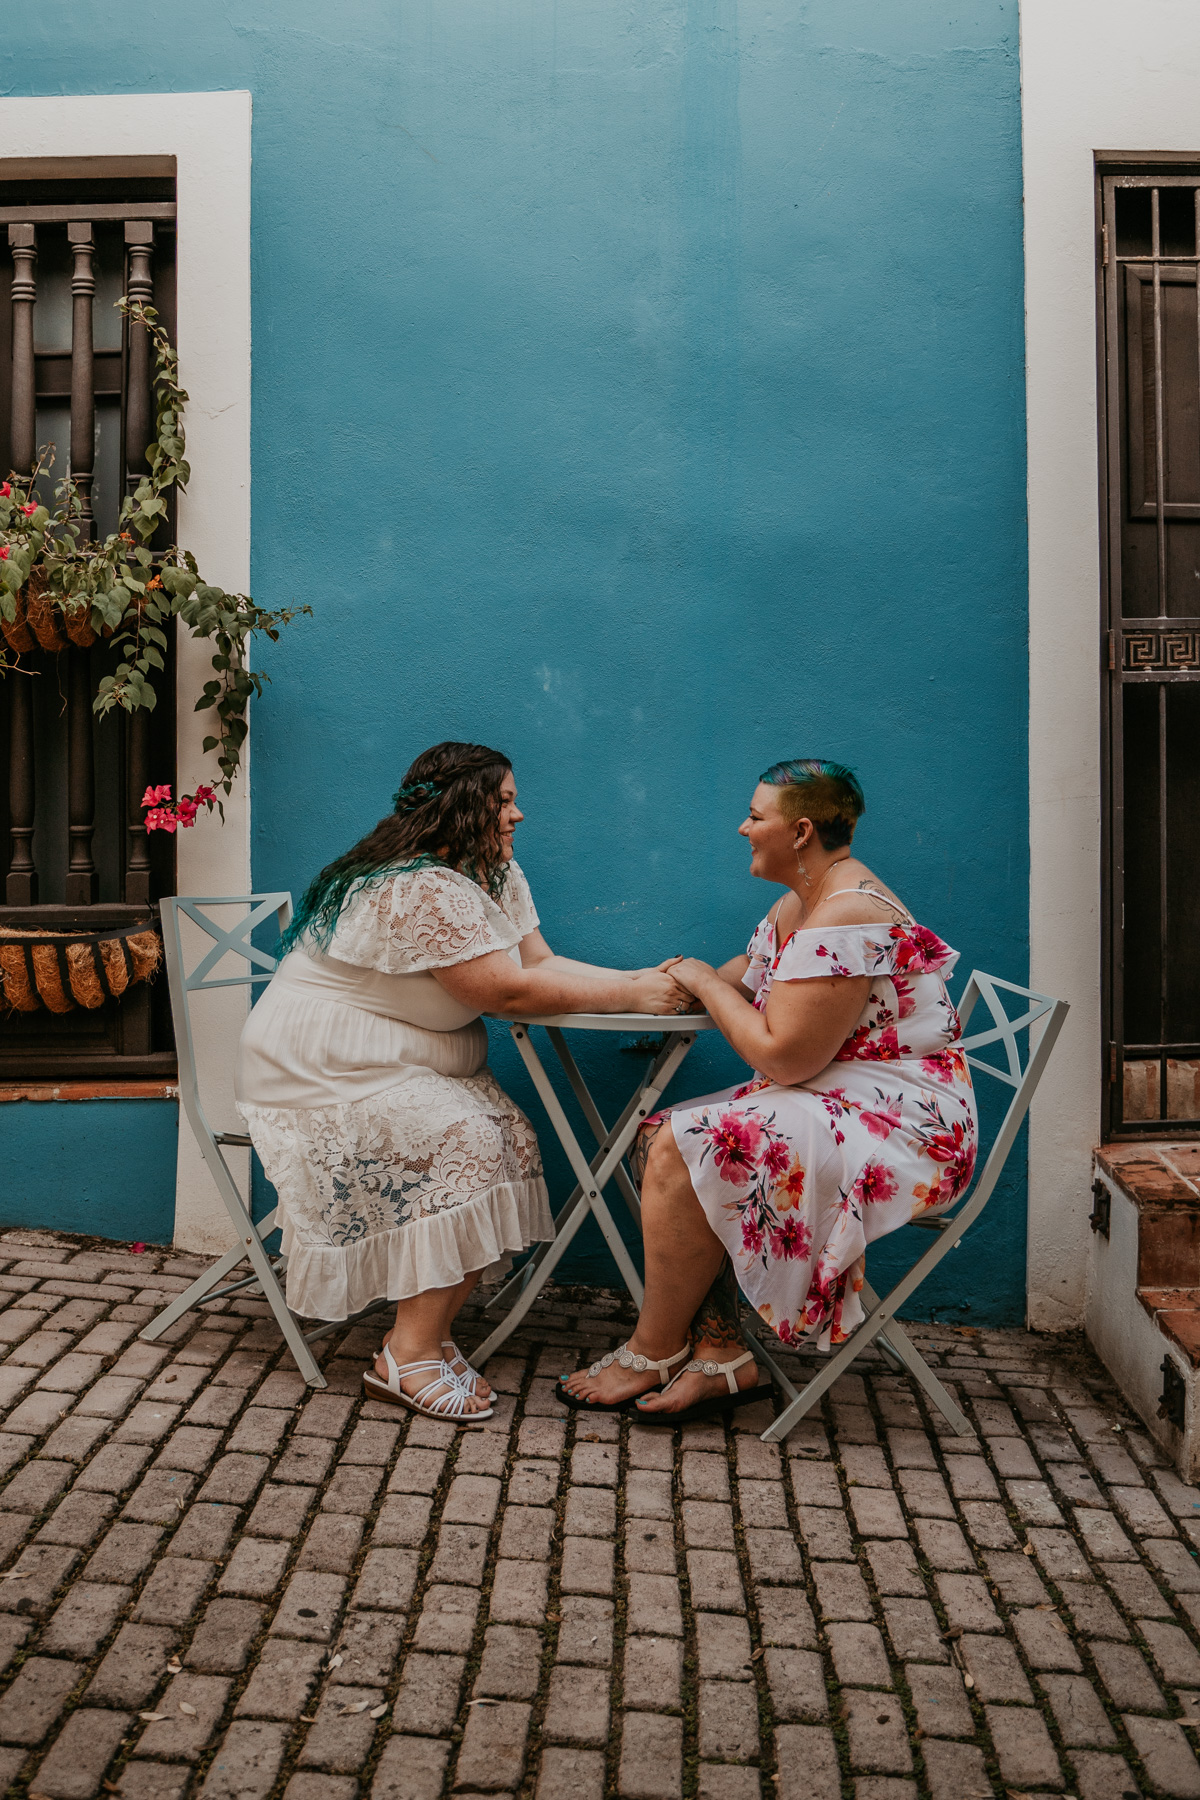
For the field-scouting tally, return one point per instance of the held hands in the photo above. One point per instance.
(687, 972)
(657, 992)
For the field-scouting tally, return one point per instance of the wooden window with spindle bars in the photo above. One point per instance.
(76, 234)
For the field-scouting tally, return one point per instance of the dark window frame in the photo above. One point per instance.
(115, 873)
(1142, 651)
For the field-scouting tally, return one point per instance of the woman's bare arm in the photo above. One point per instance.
(802, 1029)
(537, 954)
(495, 983)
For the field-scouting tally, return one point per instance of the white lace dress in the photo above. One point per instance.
(399, 1162)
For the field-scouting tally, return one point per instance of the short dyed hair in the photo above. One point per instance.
(828, 793)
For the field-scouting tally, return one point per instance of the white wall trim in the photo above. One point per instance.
(209, 134)
(1123, 79)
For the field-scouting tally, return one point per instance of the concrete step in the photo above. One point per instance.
(1143, 1311)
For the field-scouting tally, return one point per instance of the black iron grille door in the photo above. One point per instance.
(1150, 391)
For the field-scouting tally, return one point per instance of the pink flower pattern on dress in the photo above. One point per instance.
(798, 1181)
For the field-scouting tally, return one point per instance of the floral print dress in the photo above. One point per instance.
(797, 1181)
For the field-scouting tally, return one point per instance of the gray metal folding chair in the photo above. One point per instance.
(881, 1324)
(234, 941)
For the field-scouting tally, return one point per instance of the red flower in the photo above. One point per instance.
(735, 1142)
(154, 796)
(860, 1046)
(918, 948)
(4, 553)
(941, 1066)
(790, 1191)
(776, 1160)
(5, 488)
(205, 794)
(792, 1240)
(886, 1116)
(875, 1183)
(159, 819)
(30, 509)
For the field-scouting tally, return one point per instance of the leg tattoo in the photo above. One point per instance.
(639, 1150)
(716, 1319)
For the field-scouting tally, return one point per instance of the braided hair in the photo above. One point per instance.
(446, 814)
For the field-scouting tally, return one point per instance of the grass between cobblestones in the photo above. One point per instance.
(876, 1610)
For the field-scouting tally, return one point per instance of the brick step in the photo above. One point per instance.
(1144, 1286)
(1176, 1312)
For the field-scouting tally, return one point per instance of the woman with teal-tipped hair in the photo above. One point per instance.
(859, 1116)
(403, 1170)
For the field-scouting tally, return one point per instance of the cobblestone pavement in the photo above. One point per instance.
(218, 1583)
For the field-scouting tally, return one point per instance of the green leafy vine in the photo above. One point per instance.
(127, 592)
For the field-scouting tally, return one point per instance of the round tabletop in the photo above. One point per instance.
(643, 1022)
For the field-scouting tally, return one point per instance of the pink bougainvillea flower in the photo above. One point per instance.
(30, 509)
(875, 1182)
(137, 1249)
(4, 552)
(205, 794)
(735, 1140)
(154, 796)
(792, 1240)
(159, 819)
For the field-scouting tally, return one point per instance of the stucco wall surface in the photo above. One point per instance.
(1127, 82)
(103, 1167)
(640, 390)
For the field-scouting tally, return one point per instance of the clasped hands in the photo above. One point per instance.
(669, 988)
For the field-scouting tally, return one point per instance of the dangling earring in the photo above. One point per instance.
(805, 877)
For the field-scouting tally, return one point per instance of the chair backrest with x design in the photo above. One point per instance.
(225, 940)
(1021, 1074)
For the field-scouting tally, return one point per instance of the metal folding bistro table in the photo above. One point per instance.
(592, 1175)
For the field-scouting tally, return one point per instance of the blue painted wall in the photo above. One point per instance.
(102, 1167)
(639, 389)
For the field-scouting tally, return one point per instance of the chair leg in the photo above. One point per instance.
(195, 1295)
(897, 1340)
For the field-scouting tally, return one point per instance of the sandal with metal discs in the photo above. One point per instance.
(449, 1405)
(718, 1403)
(466, 1376)
(628, 1359)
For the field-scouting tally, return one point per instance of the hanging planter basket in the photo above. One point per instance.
(42, 622)
(62, 970)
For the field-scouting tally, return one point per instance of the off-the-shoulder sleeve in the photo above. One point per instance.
(516, 901)
(420, 919)
(843, 950)
(759, 951)
(907, 949)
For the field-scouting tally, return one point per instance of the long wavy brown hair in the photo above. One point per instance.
(446, 812)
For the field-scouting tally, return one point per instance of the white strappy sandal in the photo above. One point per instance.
(466, 1377)
(627, 1359)
(449, 1405)
(717, 1403)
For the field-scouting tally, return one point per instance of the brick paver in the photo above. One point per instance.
(216, 1584)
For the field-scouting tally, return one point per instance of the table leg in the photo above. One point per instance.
(592, 1176)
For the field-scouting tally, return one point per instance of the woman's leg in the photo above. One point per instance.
(462, 1293)
(422, 1325)
(684, 1258)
